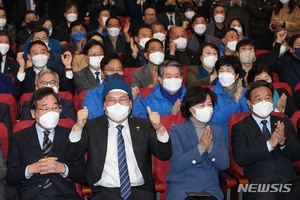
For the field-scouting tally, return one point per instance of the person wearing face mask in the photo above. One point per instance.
(115, 42)
(199, 36)
(90, 76)
(147, 75)
(6, 83)
(103, 16)
(189, 12)
(230, 92)
(167, 96)
(217, 27)
(160, 32)
(112, 70)
(178, 47)
(286, 15)
(135, 56)
(229, 42)
(49, 78)
(286, 66)
(205, 73)
(35, 158)
(238, 25)
(283, 101)
(7, 28)
(266, 145)
(136, 138)
(40, 58)
(63, 29)
(199, 140)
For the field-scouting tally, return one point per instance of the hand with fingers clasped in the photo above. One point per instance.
(206, 138)
(47, 166)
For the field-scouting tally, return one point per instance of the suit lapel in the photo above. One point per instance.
(256, 131)
(33, 140)
(89, 77)
(136, 132)
(101, 138)
(58, 140)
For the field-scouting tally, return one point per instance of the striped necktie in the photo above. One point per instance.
(125, 186)
(47, 151)
(265, 130)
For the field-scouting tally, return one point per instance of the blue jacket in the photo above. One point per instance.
(53, 44)
(190, 171)
(225, 107)
(158, 103)
(93, 101)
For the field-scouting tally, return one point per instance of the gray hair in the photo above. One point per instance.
(169, 63)
(43, 72)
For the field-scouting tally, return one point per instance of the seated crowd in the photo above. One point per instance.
(89, 95)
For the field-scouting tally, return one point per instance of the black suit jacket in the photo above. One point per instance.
(68, 110)
(94, 139)
(85, 80)
(5, 117)
(11, 67)
(24, 149)
(62, 32)
(250, 151)
(121, 46)
(163, 18)
(22, 36)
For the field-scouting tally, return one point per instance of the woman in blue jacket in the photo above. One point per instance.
(199, 148)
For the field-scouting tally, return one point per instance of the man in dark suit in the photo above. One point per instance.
(48, 78)
(171, 16)
(266, 145)
(140, 137)
(41, 58)
(36, 165)
(5, 117)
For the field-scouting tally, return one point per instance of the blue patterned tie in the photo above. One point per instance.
(125, 186)
(265, 129)
(97, 77)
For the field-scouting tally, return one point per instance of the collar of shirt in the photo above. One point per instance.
(37, 71)
(169, 16)
(93, 72)
(258, 121)
(3, 63)
(40, 134)
(112, 126)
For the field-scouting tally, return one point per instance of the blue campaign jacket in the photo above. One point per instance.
(191, 172)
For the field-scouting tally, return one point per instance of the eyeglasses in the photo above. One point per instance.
(56, 108)
(46, 83)
(112, 101)
(112, 70)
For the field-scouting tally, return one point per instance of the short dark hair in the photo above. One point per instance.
(96, 33)
(205, 44)
(244, 42)
(257, 70)
(40, 94)
(30, 12)
(70, 4)
(117, 18)
(39, 42)
(89, 44)
(193, 96)
(231, 61)
(214, 6)
(37, 29)
(157, 23)
(293, 39)
(258, 84)
(150, 41)
(3, 33)
(229, 29)
(137, 30)
(198, 16)
(168, 63)
(77, 23)
(107, 59)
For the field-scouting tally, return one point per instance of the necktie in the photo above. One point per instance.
(97, 77)
(265, 130)
(171, 20)
(125, 186)
(47, 151)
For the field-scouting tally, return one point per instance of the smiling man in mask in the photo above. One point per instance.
(167, 95)
(36, 164)
(120, 146)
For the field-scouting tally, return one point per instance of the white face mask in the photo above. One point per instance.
(283, 49)
(4, 48)
(143, 42)
(226, 79)
(157, 58)
(104, 19)
(50, 30)
(113, 31)
(49, 120)
(219, 18)
(39, 60)
(284, 1)
(209, 61)
(54, 88)
(189, 14)
(247, 57)
(231, 45)
(200, 29)
(203, 114)
(117, 112)
(160, 36)
(71, 17)
(172, 84)
(2, 22)
(181, 43)
(238, 29)
(95, 61)
(263, 109)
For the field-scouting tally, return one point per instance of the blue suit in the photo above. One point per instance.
(160, 104)
(190, 171)
(225, 107)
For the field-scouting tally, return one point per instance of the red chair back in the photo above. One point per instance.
(10, 100)
(283, 85)
(297, 87)
(25, 97)
(295, 118)
(145, 91)
(261, 51)
(275, 77)
(128, 74)
(65, 95)
(4, 138)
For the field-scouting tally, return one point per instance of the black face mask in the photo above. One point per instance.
(170, 8)
(31, 25)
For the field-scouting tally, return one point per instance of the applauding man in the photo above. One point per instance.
(119, 147)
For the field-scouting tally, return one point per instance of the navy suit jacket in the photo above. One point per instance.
(5, 117)
(11, 67)
(94, 139)
(250, 151)
(24, 149)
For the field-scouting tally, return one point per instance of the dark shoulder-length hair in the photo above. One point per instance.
(193, 96)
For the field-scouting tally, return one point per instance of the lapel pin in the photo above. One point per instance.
(138, 128)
